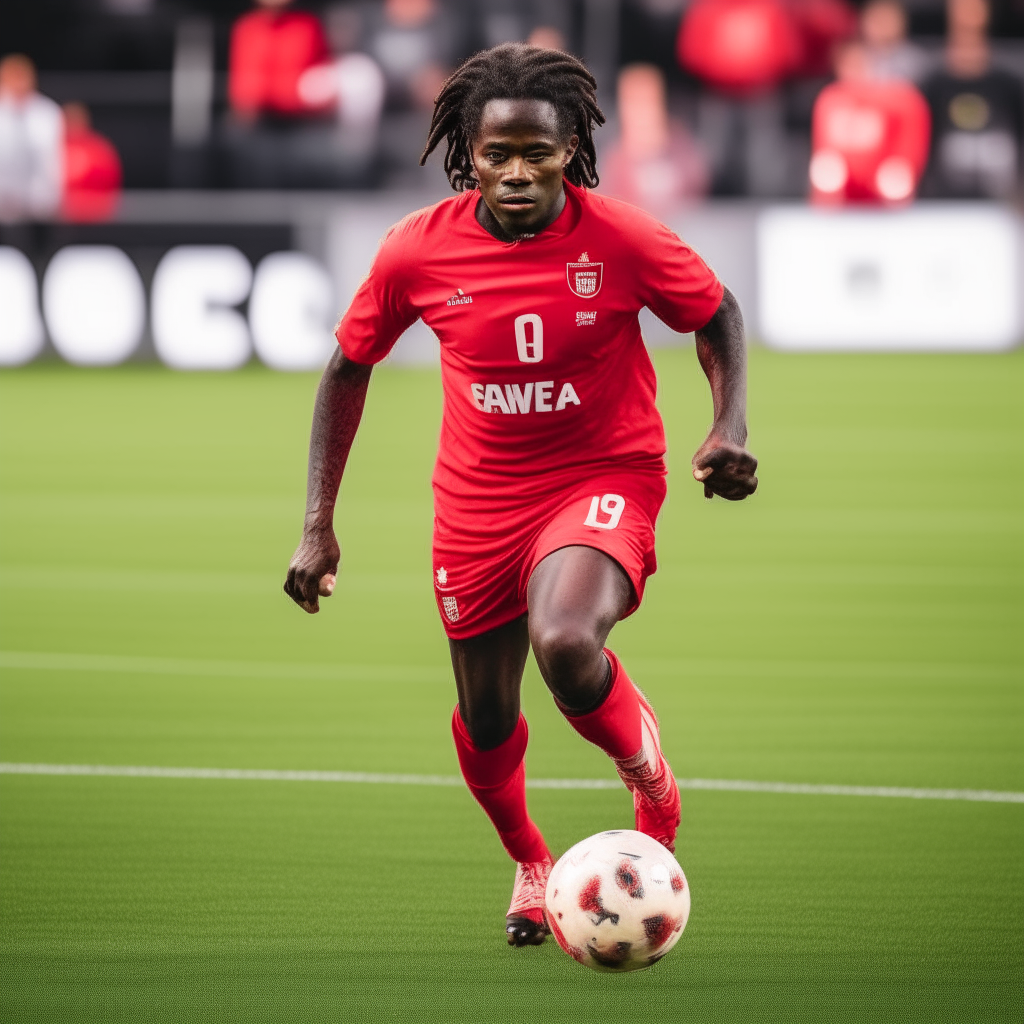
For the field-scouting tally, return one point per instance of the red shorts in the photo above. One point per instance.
(483, 561)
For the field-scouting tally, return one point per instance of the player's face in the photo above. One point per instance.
(519, 156)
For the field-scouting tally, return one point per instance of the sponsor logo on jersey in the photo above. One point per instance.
(584, 277)
(536, 396)
(460, 298)
(451, 608)
(442, 576)
(586, 319)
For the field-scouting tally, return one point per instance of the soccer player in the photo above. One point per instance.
(550, 472)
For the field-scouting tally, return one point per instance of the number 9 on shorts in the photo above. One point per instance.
(610, 505)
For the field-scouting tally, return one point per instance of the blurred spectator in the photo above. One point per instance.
(92, 169)
(740, 46)
(355, 85)
(883, 27)
(743, 50)
(31, 144)
(416, 43)
(978, 113)
(869, 137)
(270, 49)
(655, 163)
(822, 25)
(302, 119)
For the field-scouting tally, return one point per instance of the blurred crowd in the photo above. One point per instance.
(844, 103)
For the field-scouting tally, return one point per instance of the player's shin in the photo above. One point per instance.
(624, 726)
(497, 779)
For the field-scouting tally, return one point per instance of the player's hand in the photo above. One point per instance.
(725, 469)
(313, 570)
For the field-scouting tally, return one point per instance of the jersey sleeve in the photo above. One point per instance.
(674, 282)
(381, 309)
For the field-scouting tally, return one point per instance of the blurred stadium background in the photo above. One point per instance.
(189, 188)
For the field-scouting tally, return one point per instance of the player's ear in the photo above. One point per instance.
(570, 150)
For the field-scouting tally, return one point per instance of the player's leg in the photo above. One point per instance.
(488, 675)
(575, 595)
(490, 737)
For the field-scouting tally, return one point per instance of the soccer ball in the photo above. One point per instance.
(617, 901)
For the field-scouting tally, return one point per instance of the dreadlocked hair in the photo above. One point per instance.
(515, 71)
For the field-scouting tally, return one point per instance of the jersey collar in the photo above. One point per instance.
(561, 226)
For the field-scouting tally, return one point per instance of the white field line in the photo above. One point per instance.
(277, 775)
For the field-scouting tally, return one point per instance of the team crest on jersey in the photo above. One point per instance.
(584, 277)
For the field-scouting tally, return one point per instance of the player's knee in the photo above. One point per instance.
(567, 654)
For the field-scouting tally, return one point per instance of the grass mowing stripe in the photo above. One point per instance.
(231, 669)
(410, 673)
(278, 775)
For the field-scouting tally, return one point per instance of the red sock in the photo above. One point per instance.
(614, 726)
(497, 778)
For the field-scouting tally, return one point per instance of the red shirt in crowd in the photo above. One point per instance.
(92, 175)
(544, 371)
(869, 142)
(747, 46)
(270, 49)
(739, 45)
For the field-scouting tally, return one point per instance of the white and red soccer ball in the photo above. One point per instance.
(617, 901)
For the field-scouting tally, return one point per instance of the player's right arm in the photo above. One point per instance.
(379, 312)
(339, 407)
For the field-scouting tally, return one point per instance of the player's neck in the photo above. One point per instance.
(486, 219)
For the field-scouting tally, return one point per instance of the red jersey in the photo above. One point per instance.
(92, 176)
(869, 142)
(269, 52)
(739, 45)
(545, 373)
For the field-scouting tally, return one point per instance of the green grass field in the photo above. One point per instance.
(857, 622)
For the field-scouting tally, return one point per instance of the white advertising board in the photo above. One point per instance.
(927, 278)
(94, 308)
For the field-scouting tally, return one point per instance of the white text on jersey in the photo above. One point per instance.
(523, 398)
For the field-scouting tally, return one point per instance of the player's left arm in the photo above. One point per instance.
(722, 463)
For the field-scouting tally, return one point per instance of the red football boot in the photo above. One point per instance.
(525, 923)
(649, 778)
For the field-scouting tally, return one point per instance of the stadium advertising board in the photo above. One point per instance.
(211, 296)
(929, 278)
(196, 299)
